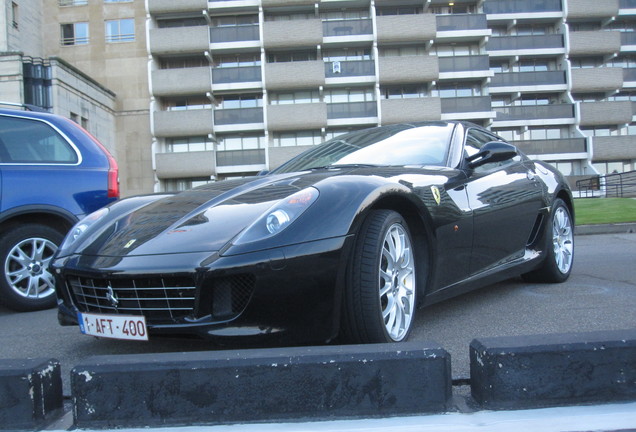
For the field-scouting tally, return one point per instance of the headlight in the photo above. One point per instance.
(80, 228)
(279, 217)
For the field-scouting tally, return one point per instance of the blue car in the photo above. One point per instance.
(52, 173)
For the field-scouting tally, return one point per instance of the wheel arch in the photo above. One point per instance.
(57, 219)
(419, 224)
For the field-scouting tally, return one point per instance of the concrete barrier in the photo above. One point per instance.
(553, 370)
(30, 393)
(215, 387)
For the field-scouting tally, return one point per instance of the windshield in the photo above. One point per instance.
(396, 145)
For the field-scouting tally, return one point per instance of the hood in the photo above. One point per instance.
(197, 220)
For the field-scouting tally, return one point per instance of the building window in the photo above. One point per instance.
(237, 60)
(349, 95)
(239, 101)
(183, 62)
(75, 33)
(403, 92)
(182, 22)
(189, 144)
(300, 138)
(118, 1)
(399, 10)
(73, 2)
(347, 54)
(291, 56)
(14, 14)
(403, 51)
(120, 30)
(240, 142)
(183, 104)
(307, 96)
(458, 90)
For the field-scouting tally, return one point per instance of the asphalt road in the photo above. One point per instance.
(600, 295)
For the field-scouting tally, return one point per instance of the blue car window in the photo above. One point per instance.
(33, 141)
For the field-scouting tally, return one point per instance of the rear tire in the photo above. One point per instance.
(380, 297)
(25, 253)
(559, 247)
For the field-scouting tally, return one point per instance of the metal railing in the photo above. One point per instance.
(619, 185)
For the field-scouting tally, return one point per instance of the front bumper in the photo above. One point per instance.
(290, 293)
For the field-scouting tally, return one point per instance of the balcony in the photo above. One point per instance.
(292, 34)
(628, 39)
(511, 82)
(176, 123)
(552, 146)
(462, 27)
(516, 45)
(629, 76)
(406, 28)
(597, 80)
(535, 115)
(170, 6)
(458, 67)
(408, 69)
(590, 9)
(187, 164)
(352, 113)
(595, 43)
(233, 37)
(605, 113)
(410, 110)
(179, 40)
(240, 158)
(609, 148)
(352, 68)
(521, 6)
(176, 82)
(294, 75)
(235, 75)
(293, 116)
(239, 116)
(474, 105)
(347, 30)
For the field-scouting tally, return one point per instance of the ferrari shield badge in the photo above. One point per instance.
(436, 194)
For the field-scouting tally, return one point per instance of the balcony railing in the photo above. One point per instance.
(461, 22)
(352, 110)
(515, 79)
(521, 6)
(234, 34)
(628, 38)
(627, 4)
(465, 104)
(240, 157)
(347, 27)
(236, 74)
(553, 146)
(534, 112)
(464, 63)
(336, 69)
(525, 42)
(238, 116)
(629, 74)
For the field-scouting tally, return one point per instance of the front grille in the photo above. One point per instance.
(230, 295)
(159, 299)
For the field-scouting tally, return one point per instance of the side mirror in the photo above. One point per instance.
(494, 151)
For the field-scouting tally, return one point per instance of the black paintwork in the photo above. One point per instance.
(486, 224)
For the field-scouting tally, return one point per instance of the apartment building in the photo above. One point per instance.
(239, 86)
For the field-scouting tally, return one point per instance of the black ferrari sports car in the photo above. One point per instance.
(348, 239)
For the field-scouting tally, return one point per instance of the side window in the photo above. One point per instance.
(32, 141)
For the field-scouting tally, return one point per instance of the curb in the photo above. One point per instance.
(329, 383)
(622, 228)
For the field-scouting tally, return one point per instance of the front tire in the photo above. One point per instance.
(559, 247)
(380, 297)
(25, 253)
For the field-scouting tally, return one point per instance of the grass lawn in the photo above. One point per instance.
(604, 210)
